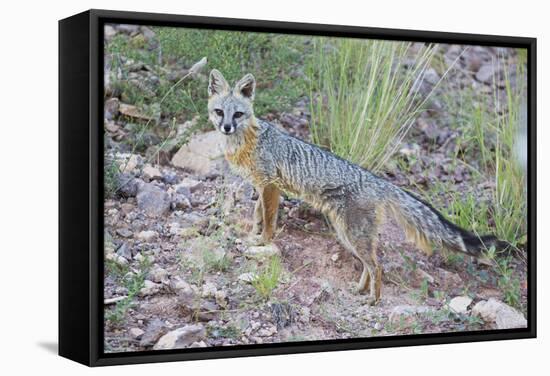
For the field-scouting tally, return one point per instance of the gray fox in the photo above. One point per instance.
(355, 200)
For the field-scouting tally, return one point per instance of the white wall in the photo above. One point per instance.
(28, 188)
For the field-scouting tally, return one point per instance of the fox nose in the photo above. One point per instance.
(227, 128)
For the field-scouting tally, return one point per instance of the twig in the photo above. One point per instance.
(114, 300)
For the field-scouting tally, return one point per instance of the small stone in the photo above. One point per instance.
(201, 154)
(147, 236)
(189, 184)
(221, 298)
(460, 304)
(248, 277)
(504, 316)
(406, 311)
(133, 162)
(378, 326)
(153, 332)
(136, 333)
(124, 232)
(153, 200)
(431, 76)
(152, 173)
(181, 338)
(197, 344)
(335, 257)
(120, 260)
(424, 276)
(209, 290)
(180, 202)
(159, 275)
(127, 185)
(110, 108)
(170, 178)
(149, 288)
(486, 73)
(124, 251)
(263, 251)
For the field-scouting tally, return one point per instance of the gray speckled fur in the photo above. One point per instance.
(355, 200)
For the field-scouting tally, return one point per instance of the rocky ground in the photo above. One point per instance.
(179, 271)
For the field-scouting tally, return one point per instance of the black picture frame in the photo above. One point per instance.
(81, 186)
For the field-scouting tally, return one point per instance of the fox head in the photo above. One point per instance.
(230, 109)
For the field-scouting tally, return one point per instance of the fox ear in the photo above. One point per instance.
(246, 86)
(217, 84)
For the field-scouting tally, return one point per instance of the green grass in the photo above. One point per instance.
(489, 128)
(268, 277)
(369, 100)
(133, 282)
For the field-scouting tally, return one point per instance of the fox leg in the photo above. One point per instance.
(270, 206)
(351, 244)
(258, 217)
(376, 287)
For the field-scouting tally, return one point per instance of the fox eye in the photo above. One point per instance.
(237, 114)
(218, 112)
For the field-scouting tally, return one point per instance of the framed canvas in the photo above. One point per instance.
(235, 187)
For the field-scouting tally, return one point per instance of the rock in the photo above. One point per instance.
(431, 76)
(153, 332)
(405, 312)
(200, 153)
(221, 298)
(335, 257)
(194, 220)
(248, 277)
(111, 126)
(133, 112)
(147, 236)
(131, 163)
(263, 251)
(127, 185)
(147, 32)
(149, 288)
(460, 304)
(153, 200)
(124, 232)
(504, 316)
(180, 202)
(109, 32)
(110, 108)
(116, 258)
(185, 292)
(449, 280)
(124, 251)
(136, 333)
(127, 28)
(209, 290)
(423, 275)
(486, 73)
(267, 332)
(181, 338)
(152, 173)
(189, 184)
(159, 275)
(170, 178)
(197, 344)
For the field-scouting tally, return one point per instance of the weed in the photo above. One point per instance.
(134, 283)
(267, 279)
(369, 99)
